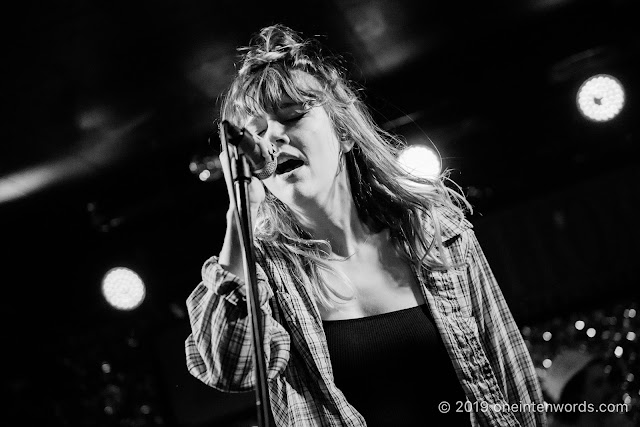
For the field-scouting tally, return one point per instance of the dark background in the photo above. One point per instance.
(109, 102)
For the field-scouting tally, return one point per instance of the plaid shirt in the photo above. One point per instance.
(488, 354)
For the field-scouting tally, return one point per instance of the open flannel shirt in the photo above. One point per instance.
(469, 310)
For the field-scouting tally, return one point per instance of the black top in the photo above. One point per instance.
(394, 369)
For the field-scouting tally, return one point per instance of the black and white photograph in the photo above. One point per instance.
(341, 213)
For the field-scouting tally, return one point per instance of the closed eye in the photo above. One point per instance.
(283, 120)
(294, 119)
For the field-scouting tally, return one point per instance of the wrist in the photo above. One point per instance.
(230, 215)
(231, 220)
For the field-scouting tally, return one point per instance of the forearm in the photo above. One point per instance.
(231, 258)
(231, 253)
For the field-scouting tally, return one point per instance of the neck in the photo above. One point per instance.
(334, 217)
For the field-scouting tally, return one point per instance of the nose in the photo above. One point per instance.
(276, 133)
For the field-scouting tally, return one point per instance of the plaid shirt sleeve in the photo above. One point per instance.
(501, 339)
(219, 350)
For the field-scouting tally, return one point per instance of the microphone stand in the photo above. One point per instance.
(241, 178)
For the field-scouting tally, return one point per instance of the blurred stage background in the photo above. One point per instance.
(106, 162)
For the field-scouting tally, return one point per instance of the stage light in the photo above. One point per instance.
(579, 325)
(600, 98)
(420, 160)
(123, 288)
(207, 168)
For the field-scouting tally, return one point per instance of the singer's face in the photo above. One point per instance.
(308, 150)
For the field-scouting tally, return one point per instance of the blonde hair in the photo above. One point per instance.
(385, 195)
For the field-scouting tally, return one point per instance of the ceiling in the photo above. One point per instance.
(110, 101)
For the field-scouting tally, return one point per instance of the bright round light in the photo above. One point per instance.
(600, 98)
(420, 161)
(547, 336)
(579, 325)
(547, 363)
(123, 288)
(618, 351)
(591, 332)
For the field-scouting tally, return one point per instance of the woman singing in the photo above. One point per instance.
(377, 301)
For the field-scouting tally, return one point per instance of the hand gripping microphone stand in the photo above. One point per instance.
(241, 177)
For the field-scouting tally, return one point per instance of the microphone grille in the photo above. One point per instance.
(268, 170)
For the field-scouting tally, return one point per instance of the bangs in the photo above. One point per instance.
(265, 92)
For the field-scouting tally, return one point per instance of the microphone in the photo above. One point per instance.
(241, 138)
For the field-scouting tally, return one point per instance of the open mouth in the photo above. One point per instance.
(288, 165)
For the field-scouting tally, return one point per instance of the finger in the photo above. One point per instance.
(268, 150)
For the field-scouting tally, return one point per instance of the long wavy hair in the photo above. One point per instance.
(385, 195)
